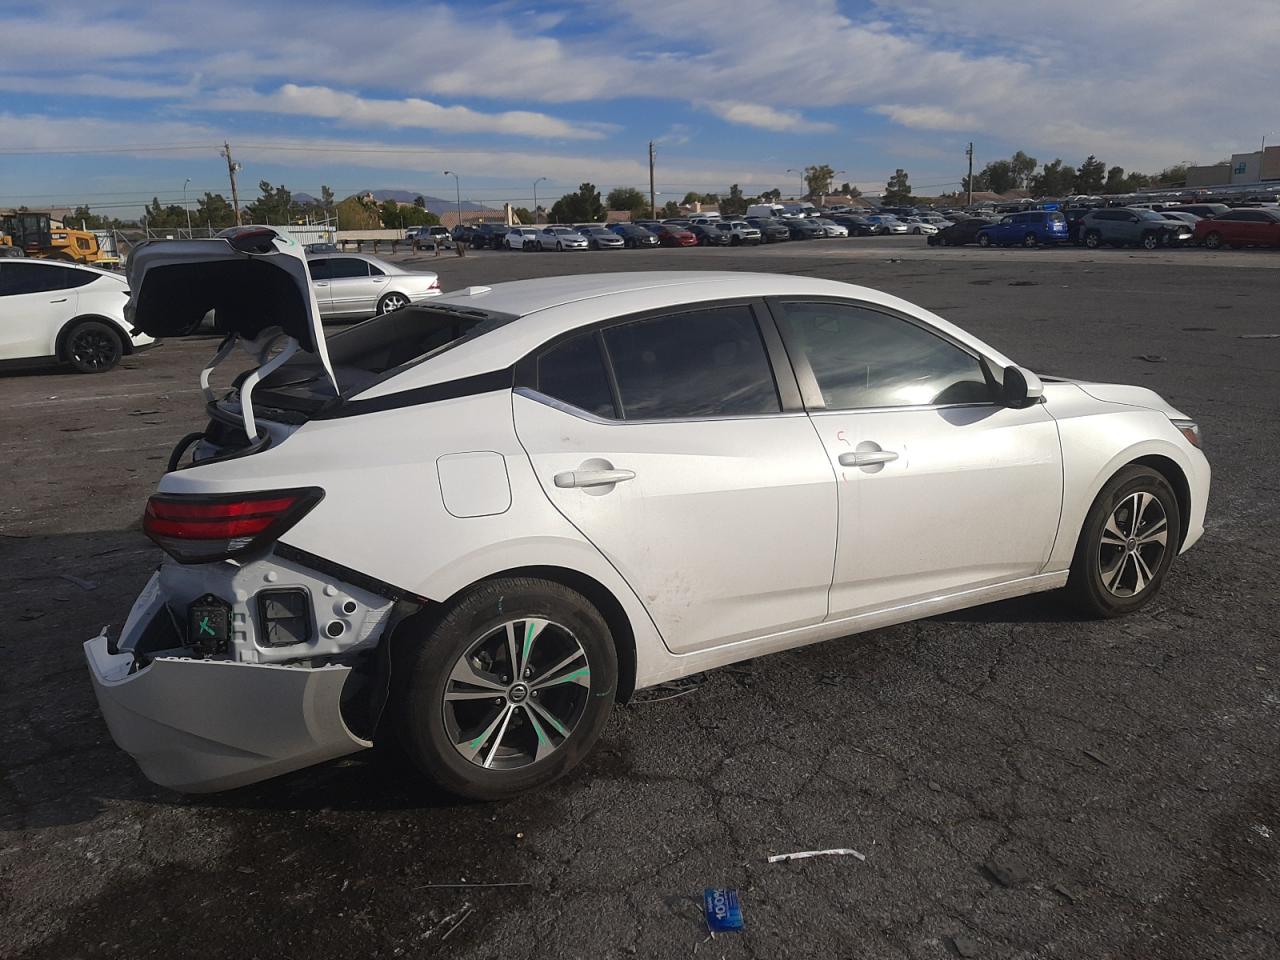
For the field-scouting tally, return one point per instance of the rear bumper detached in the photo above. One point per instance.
(198, 726)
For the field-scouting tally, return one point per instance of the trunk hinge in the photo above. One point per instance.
(260, 349)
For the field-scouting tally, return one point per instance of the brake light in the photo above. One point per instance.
(199, 529)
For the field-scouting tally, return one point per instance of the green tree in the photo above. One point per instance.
(355, 214)
(818, 179)
(420, 201)
(1175, 175)
(389, 214)
(735, 204)
(159, 218)
(82, 218)
(671, 209)
(998, 176)
(1022, 167)
(1053, 180)
(416, 216)
(771, 196)
(627, 198)
(213, 211)
(849, 190)
(581, 207)
(326, 198)
(1091, 175)
(522, 214)
(275, 205)
(898, 190)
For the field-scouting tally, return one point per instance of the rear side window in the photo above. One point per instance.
(574, 372)
(863, 358)
(343, 267)
(705, 363)
(18, 278)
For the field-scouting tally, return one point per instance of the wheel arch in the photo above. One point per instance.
(600, 596)
(1177, 479)
(60, 343)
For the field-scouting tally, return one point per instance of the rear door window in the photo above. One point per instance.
(18, 278)
(699, 364)
(341, 268)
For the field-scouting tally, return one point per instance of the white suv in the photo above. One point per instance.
(492, 516)
(53, 312)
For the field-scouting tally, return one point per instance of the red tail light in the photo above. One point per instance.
(198, 529)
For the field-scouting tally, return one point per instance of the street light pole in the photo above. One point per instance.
(185, 207)
(535, 199)
(458, 187)
(802, 183)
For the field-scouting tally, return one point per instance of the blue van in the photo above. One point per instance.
(1029, 229)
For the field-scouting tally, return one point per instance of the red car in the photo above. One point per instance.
(670, 235)
(1240, 227)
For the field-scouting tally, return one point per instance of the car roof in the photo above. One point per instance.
(382, 264)
(547, 307)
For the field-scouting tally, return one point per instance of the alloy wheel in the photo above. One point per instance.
(516, 694)
(1133, 544)
(93, 349)
(394, 301)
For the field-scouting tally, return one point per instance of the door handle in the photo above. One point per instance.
(592, 478)
(320, 283)
(59, 300)
(867, 458)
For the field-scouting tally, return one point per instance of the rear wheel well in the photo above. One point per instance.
(1181, 489)
(615, 617)
(126, 343)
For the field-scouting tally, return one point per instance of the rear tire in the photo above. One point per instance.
(1150, 241)
(1093, 239)
(392, 302)
(1029, 240)
(1127, 544)
(1213, 241)
(984, 240)
(92, 346)
(453, 730)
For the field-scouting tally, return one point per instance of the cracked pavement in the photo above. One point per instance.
(1023, 784)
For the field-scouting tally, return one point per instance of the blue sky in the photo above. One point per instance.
(113, 104)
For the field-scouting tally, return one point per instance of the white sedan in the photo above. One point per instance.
(566, 489)
(51, 312)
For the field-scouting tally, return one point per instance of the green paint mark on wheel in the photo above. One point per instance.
(580, 672)
(528, 641)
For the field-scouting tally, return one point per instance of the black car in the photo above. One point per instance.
(708, 236)
(771, 230)
(802, 229)
(488, 236)
(462, 233)
(633, 235)
(958, 234)
(860, 226)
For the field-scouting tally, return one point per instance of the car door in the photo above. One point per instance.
(36, 299)
(941, 488)
(350, 291)
(666, 441)
(1003, 231)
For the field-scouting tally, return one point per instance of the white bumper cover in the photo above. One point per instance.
(204, 725)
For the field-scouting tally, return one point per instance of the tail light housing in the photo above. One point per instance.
(204, 528)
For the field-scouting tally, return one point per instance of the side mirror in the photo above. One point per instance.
(1022, 388)
(1133, 219)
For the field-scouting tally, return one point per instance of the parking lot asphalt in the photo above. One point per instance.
(1022, 784)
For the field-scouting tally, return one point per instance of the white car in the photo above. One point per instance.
(740, 232)
(352, 285)
(560, 239)
(51, 312)
(522, 238)
(832, 228)
(920, 227)
(891, 223)
(539, 497)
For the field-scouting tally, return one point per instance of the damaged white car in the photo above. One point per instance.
(478, 523)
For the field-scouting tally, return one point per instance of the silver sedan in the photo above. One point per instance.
(561, 238)
(352, 285)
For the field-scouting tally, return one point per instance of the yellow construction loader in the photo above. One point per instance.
(38, 235)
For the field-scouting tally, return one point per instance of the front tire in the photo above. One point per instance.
(1150, 241)
(1093, 239)
(509, 691)
(1213, 241)
(1029, 240)
(1128, 543)
(984, 240)
(92, 346)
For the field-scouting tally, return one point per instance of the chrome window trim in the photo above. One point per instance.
(529, 393)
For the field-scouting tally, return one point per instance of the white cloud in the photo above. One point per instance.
(410, 112)
(927, 117)
(767, 118)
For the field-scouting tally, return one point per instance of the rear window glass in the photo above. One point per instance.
(574, 372)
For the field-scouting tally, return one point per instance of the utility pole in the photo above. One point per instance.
(653, 197)
(232, 168)
(969, 182)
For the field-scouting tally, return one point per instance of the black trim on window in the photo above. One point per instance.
(433, 393)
